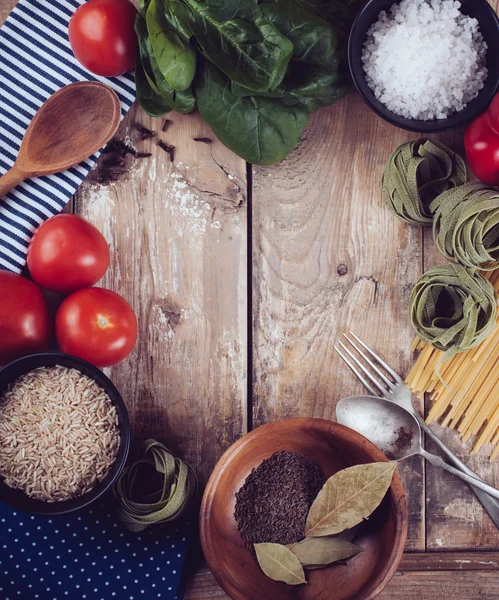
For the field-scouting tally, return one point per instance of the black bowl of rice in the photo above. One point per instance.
(426, 65)
(64, 434)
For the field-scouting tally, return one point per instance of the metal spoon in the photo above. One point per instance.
(395, 431)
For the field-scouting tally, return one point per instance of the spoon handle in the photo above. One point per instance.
(439, 462)
(10, 180)
(490, 504)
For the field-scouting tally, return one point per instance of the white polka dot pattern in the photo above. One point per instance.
(88, 556)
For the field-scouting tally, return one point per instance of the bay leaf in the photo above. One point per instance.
(349, 534)
(315, 551)
(279, 563)
(348, 497)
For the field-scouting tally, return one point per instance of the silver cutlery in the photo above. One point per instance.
(395, 431)
(382, 380)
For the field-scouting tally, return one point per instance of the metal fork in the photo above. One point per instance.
(392, 387)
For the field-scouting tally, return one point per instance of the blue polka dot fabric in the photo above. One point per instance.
(89, 556)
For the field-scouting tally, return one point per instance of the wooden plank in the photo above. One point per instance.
(328, 257)
(450, 561)
(177, 233)
(406, 584)
(455, 519)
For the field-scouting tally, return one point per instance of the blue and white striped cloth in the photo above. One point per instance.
(36, 61)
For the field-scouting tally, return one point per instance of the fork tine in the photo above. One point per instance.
(393, 373)
(356, 372)
(389, 383)
(382, 389)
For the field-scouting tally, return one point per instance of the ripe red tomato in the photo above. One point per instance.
(97, 325)
(102, 36)
(25, 324)
(67, 253)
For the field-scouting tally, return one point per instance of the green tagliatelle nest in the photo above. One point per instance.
(156, 488)
(453, 308)
(466, 225)
(416, 173)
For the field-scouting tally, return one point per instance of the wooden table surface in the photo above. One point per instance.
(243, 278)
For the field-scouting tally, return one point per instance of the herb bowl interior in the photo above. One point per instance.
(489, 26)
(334, 447)
(17, 499)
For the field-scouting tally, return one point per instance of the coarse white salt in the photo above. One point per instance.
(424, 59)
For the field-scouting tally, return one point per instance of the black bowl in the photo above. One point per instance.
(489, 26)
(17, 499)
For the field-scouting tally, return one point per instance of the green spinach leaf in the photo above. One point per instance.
(175, 57)
(314, 40)
(240, 41)
(153, 103)
(160, 98)
(176, 14)
(261, 130)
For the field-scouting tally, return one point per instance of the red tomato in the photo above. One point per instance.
(67, 253)
(102, 36)
(96, 325)
(25, 324)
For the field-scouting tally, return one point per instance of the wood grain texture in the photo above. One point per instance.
(455, 519)
(329, 257)
(405, 585)
(177, 233)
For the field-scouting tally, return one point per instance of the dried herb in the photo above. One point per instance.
(204, 140)
(144, 133)
(280, 564)
(166, 124)
(273, 503)
(116, 160)
(170, 150)
(466, 225)
(348, 497)
(453, 308)
(416, 173)
(143, 155)
(323, 550)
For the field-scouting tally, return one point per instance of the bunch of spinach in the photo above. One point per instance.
(254, 70)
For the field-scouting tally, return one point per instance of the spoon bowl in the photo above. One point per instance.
(72, 124)
(396, 432)
(386, 424)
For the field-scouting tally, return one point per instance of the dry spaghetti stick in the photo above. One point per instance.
(477, 399)
(425, 376)
(423, 357)
(415, 344)
(486, 343)
(495, 439)
(487, 407)
(463, 384)
(495, 453)
(487, 432)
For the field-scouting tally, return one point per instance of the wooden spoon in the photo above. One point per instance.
(72, 124)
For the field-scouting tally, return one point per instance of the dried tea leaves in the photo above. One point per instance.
(348, 497)
(321, 551)
(280, 564)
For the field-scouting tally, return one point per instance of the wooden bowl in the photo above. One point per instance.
(334, 447)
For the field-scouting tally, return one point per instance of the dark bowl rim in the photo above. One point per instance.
(396, 490)
(53, 509)
(414, 125)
